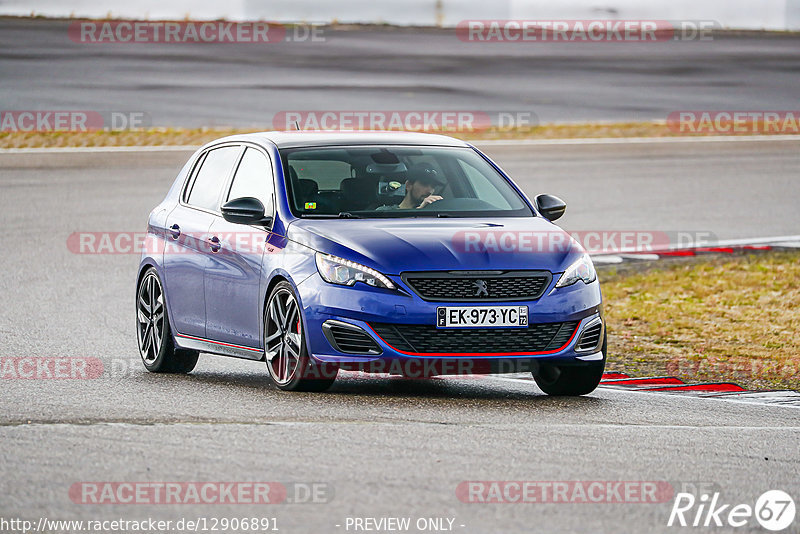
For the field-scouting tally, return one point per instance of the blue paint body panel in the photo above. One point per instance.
(219, 296)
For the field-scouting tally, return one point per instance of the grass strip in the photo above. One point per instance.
(200, 136)
(711, 318)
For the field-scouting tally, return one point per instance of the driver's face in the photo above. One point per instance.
(419, 190)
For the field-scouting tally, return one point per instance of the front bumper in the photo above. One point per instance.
(361, 305)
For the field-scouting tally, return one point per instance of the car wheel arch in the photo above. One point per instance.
(145, 267)
(277, 278)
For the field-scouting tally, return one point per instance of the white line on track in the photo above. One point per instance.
(751, 241)
(790, 396)
(652, 252)
(99, 149)
(636, 140)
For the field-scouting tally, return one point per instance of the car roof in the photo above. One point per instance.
(295, 139)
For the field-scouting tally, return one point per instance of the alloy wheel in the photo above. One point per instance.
(283, 342)
(150, 316)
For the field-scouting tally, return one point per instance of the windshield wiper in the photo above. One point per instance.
(348, 215)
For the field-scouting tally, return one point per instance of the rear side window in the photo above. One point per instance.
(328, 174)
(254, 179)
(212, 176)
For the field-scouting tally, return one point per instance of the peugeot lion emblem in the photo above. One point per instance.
(480, 286)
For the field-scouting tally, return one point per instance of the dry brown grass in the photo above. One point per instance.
(199, 136)
(722, 319)
(151, 137)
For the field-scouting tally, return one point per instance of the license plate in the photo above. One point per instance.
(482, 317)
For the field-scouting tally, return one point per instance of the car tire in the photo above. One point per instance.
(153, 332)
(289, 364)
(571, 380)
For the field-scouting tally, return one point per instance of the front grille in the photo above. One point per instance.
(590, 337)
(475, 286)
(425, 339)
(349, 339)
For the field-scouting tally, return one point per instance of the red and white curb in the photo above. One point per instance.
(718, 390)
(674, 385)
(729, 246)
(671, 385)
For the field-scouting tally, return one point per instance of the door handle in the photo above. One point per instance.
(215, 244)
(175, 231)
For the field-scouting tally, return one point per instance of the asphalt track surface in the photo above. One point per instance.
(385, 447)
(385, 69)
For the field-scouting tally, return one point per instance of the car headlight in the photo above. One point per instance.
(583, 269)
(346, 273)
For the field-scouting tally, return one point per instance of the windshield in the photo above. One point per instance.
(396, 181)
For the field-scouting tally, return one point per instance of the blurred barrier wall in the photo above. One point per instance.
(744, 14)
(132, 9)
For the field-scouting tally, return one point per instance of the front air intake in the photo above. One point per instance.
(349, 338)
(590, 338)
(427, 339)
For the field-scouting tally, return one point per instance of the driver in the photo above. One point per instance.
(421, 182)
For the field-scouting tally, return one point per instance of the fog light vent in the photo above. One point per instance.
(590, 338)
(349, 338)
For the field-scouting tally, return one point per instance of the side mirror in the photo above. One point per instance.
(245, 210)
(550, 207)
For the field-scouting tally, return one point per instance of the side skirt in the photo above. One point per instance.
(217, 347)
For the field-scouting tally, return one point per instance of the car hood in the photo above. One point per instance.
(393, 246)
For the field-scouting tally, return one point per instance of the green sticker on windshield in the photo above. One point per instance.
(311, 205)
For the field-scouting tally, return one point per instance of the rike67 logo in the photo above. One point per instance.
(774, 510)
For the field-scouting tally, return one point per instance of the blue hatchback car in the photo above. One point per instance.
(389, 252)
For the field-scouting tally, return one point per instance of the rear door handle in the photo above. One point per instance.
(175, 230)
(215, 244)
